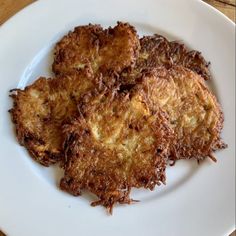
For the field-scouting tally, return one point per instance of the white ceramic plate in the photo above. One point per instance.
(198, 200)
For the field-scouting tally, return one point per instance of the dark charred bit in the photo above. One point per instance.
(125, 87)
(67, 183)
(172, 162)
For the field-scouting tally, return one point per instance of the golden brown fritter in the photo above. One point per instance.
(113, 49)
(157, 51)
(193, 110)
(40, 109)
(118, 142)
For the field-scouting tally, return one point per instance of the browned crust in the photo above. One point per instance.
(194, 112)
(39, 110)
(113, 49)
(118, 142)
(157, 51)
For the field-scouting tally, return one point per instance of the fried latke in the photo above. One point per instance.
(118, 142)
(157, 51)
(113, 49)
(40, 109)
(194, 113)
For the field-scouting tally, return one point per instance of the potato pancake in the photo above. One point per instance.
(109, 50)
(193, 111)
(39, 110)
(119, 141)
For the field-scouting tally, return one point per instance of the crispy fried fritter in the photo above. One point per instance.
(157, 51)
(112, 49)
(117, 143)
(193, 110)
(40, 109)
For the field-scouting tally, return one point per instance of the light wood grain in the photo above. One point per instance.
(227, 2)
(9, 7)
(233, 234)
(225, 6)
(232, 2)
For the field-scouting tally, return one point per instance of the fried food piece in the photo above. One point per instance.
(117, 143)
(113, 49)
(40, 109)
(193, 110)
(157, 51)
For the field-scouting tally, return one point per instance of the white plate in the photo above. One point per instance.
(198, 200)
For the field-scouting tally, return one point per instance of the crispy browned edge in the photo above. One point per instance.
(93, 29)
(218, 142)
(171, 53)
(26, 138)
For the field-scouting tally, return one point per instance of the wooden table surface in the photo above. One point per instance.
(9, 7)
